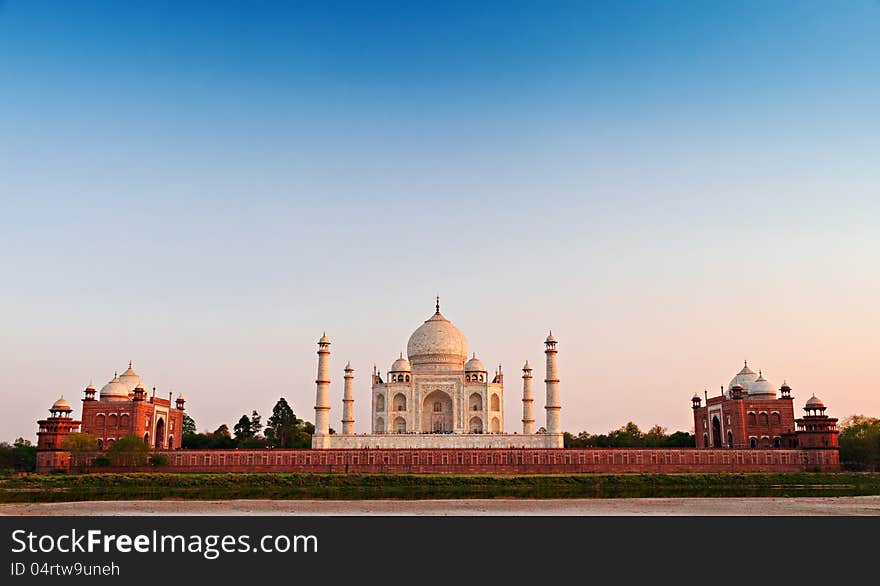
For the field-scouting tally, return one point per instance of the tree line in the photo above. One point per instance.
(630, 436)
(283, 429)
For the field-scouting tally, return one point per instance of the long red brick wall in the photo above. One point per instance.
(502, 461)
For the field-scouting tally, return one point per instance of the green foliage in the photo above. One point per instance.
(219, 439)
(189, 424)
(253, 443)
(243, 429)
(157, 485)
(860, 443)
(282, 429)
(256, 423)
(159, 460)
(285, 430)
(100, 462)
(247, 431)
(630, 436)
(80, 443)
(129, 450)
(21, 456)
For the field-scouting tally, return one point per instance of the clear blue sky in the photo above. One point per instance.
(672, 187)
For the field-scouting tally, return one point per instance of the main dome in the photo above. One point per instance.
(437, 342)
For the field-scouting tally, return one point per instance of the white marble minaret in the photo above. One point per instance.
(552, 382)
(348, 401)
(528, 400)
(322, 394)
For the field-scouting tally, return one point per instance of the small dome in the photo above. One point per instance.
(180, 397)
(815, 402)
(696, 397)
(762, 389)
(401, 365)
(61, 405)
(474, 365)
(550, 338)
(348, 367)
(324, 339)
(744, 378)
(526, 366)
(115, 390)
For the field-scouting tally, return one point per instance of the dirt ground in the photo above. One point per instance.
(867, 505)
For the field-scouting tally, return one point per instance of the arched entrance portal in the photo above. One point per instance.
(160, 433)
(476, 425)
(716, 432)
(437, 413)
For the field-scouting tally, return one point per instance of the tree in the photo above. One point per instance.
(860, 443)
(222, 439)
(628, 436)
(281, 427)
(655, 437)
(79, 445)
(159, 460)
(129, 450)
(21, 456)
(189, 425)
(24, 455)
(681, 439)
(256, 423)
(243, 429)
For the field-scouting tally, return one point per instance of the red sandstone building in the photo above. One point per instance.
(50, 437)
(123, 408)
(749, 414)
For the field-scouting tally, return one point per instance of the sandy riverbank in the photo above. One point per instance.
(864, 505)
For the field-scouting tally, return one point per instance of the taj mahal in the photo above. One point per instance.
(439, 410)
(437, 397)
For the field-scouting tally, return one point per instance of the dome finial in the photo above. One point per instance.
(438, 304)
(129, 363)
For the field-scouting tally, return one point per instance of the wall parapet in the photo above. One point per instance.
(501, 460)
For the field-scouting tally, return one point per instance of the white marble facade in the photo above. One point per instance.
(435, 397)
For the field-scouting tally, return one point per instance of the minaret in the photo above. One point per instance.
(348, 402)
(552, 382)
(322, 395)
(528, 419)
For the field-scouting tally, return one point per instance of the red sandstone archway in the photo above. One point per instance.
(160, 433)
(716, 432)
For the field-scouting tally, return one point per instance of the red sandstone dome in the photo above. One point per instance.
(61, 405)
